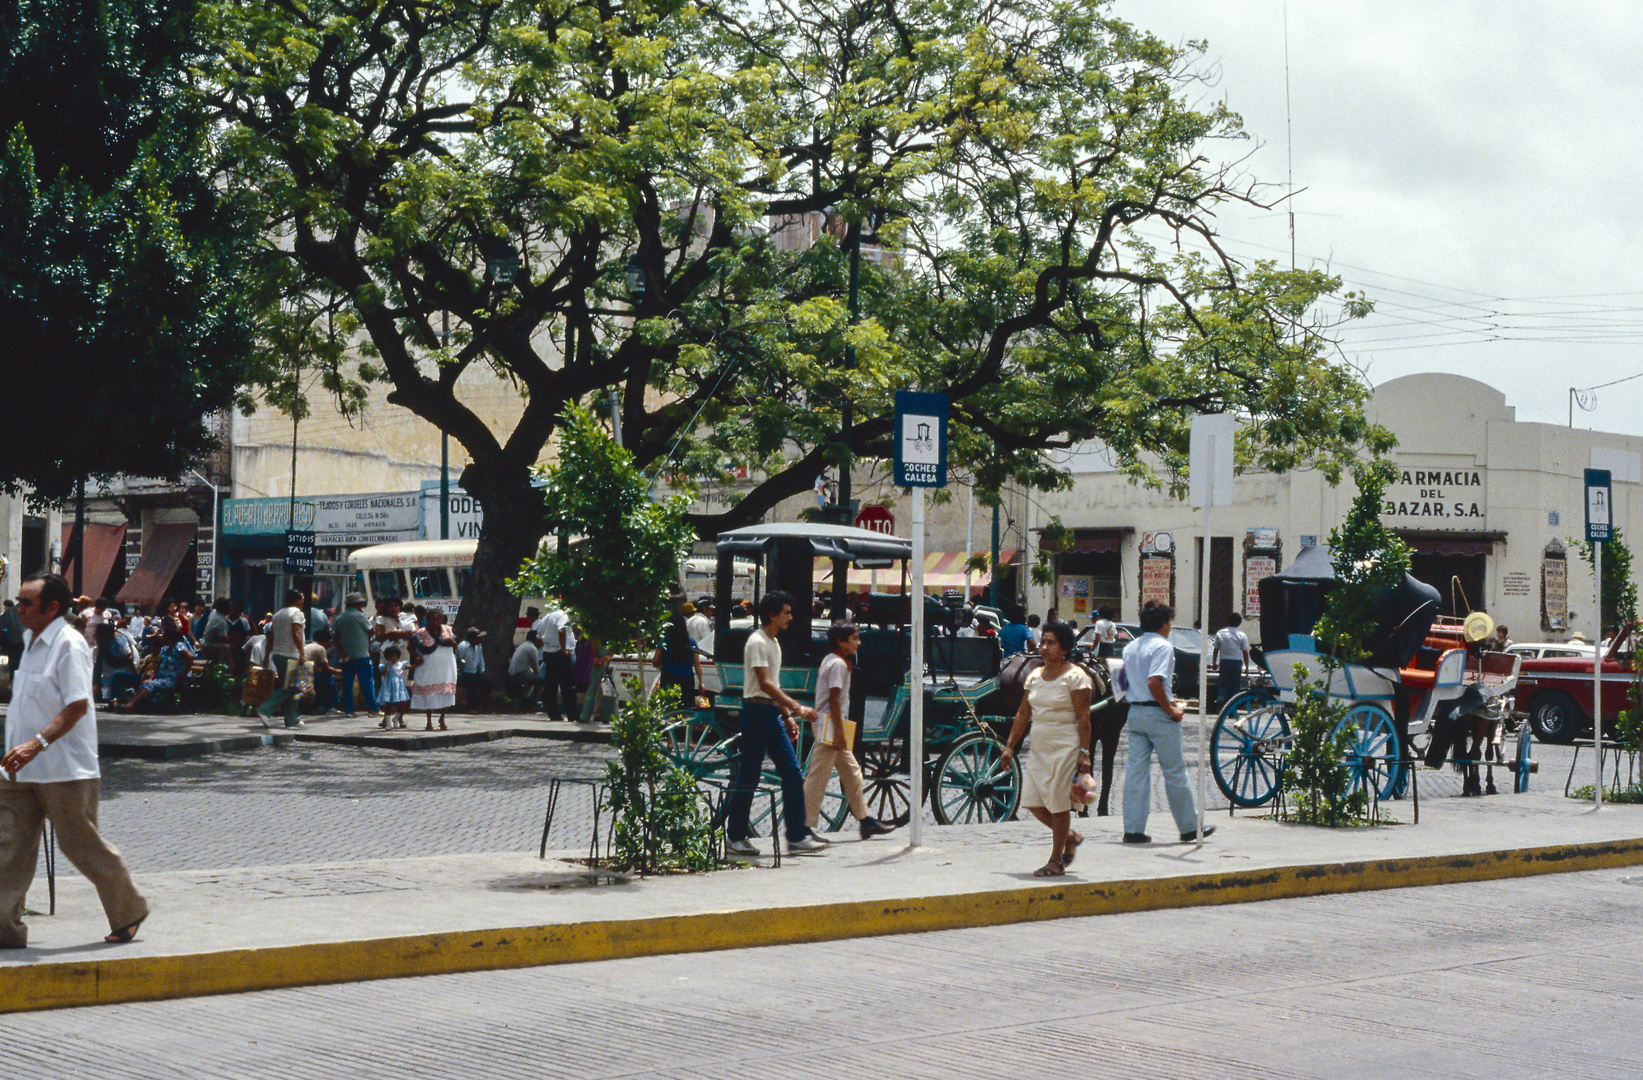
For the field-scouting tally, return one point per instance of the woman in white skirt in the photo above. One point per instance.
(435, 688)
(1055, 703)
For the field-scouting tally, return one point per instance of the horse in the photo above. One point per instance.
(1107, 713)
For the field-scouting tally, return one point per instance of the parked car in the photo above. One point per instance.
(1536, 650)
(1555, 691)
(1186, 642)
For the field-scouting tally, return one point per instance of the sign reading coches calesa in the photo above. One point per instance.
(1437, 498)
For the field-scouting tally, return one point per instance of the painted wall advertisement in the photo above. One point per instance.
(1554, 579)
(1155, 579)
(335, 520)
(1256, 568)
(1432, 495)
(463, 513)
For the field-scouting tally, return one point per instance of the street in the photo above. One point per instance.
(1523, 978)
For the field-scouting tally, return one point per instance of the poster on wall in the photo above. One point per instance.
(1555, 588)
(1155, 579)
(1073, 596)
(1256, 568)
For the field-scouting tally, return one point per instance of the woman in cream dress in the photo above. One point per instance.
(1056, 705)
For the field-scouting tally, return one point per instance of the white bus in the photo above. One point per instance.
(433, 573)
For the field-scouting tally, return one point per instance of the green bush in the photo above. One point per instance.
(661, 822)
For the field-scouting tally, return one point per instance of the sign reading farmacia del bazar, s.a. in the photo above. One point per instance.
(1434, 496)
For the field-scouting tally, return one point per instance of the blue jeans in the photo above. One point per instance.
(764, 733)
(1151, 731)
(1232, 681)
(359, 669)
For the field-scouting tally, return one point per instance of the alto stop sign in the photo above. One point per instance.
(876, 518)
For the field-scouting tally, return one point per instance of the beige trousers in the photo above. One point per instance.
(823, 760)
(72, 807)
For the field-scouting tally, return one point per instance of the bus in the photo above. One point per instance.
(432, 573)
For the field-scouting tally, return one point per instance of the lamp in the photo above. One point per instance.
(638, 285)
(502, 263)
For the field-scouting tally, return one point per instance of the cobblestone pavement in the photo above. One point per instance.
(310, 802)
(1524, 978)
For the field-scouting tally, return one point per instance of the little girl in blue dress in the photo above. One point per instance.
(396, 696)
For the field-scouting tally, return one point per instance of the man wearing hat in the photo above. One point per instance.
(354, 645)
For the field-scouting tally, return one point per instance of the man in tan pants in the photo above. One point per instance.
(831, 750)
(50, 770)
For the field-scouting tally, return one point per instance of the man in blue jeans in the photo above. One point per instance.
(768, 727)
(1154, 726)
(354, 643)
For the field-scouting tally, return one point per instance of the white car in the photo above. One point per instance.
(1539, 650)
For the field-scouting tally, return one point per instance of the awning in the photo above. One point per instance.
(101, 547)
(163, 553)
(942, 570)
(1433, 542)
(1086, 541)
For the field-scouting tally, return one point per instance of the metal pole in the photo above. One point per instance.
(915, 680)
(216, 527)
(969, 534)
(992, 588)
(444, 446)
(1203, 647)
(77, 542)
(1597, 677)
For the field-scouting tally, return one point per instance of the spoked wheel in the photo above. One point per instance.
(1525, 746)
(700, 748)
(1374, 739)
(973, 784)
(886, 784)
(1247, 748)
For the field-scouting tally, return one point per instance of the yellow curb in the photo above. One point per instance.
(109, 981)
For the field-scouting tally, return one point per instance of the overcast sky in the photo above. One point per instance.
(1472, 167)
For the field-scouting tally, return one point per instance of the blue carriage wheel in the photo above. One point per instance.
(1374, 738)
(1247, 748)
(1525, 746)
(972, 783)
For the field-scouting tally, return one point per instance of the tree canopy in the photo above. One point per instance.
(121, 264)
(1034, 183)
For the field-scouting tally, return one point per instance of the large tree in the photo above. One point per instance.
(1034, 187)
(121, 264)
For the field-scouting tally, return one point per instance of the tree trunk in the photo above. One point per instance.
(512, 529)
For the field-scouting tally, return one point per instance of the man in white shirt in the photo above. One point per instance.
(1154, 727)
(1106, 634)
(697, 623)
(51, 771)
(470, 670)
(768, 728)
(1232, 650)
(525, 670)
(558, 669)
(285, 645)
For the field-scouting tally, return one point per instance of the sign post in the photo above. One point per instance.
(1209, 484)
(1599, 501)
(920, 462)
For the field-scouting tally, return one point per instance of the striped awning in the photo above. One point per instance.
(942, 570)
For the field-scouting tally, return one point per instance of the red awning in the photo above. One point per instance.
(163, 553)
(1432, 542)
(101, 547)
(1086, 541)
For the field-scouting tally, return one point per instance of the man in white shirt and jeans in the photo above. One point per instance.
(1154, 727)
(50, 770)
(1232, 650)
(558, 667)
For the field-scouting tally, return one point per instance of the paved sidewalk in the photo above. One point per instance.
(258, 927)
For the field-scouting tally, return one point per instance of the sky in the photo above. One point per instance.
(1471, 167)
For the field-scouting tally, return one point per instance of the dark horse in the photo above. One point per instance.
(1107, 713)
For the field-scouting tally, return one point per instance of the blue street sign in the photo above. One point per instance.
(1599, 501)
(921, 439)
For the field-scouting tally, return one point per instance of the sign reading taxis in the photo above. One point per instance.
(1435, 496)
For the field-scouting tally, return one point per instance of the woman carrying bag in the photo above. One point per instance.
(834, 734)
(1055, 703)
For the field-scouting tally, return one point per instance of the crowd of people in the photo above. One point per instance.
(301, 658)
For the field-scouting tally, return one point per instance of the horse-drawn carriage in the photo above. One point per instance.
(968, 708)
(1427, 678)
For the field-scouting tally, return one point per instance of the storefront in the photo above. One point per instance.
(254, 541)
(1489, 507)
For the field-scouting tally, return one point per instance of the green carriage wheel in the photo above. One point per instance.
(700, 747)
(972, 783)
(1247, 748)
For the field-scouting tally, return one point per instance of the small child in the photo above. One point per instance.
(396, 696)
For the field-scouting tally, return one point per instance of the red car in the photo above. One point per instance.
(1556, 691)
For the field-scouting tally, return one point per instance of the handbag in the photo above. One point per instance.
(259, 683)
(302, 681)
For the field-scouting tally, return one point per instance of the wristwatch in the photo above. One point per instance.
(43, 741)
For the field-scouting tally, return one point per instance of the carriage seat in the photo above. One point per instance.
(1422, 671)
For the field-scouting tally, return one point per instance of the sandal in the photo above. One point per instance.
(442, 726)
(1070, 848)
(1053, 868)
(125, 934)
